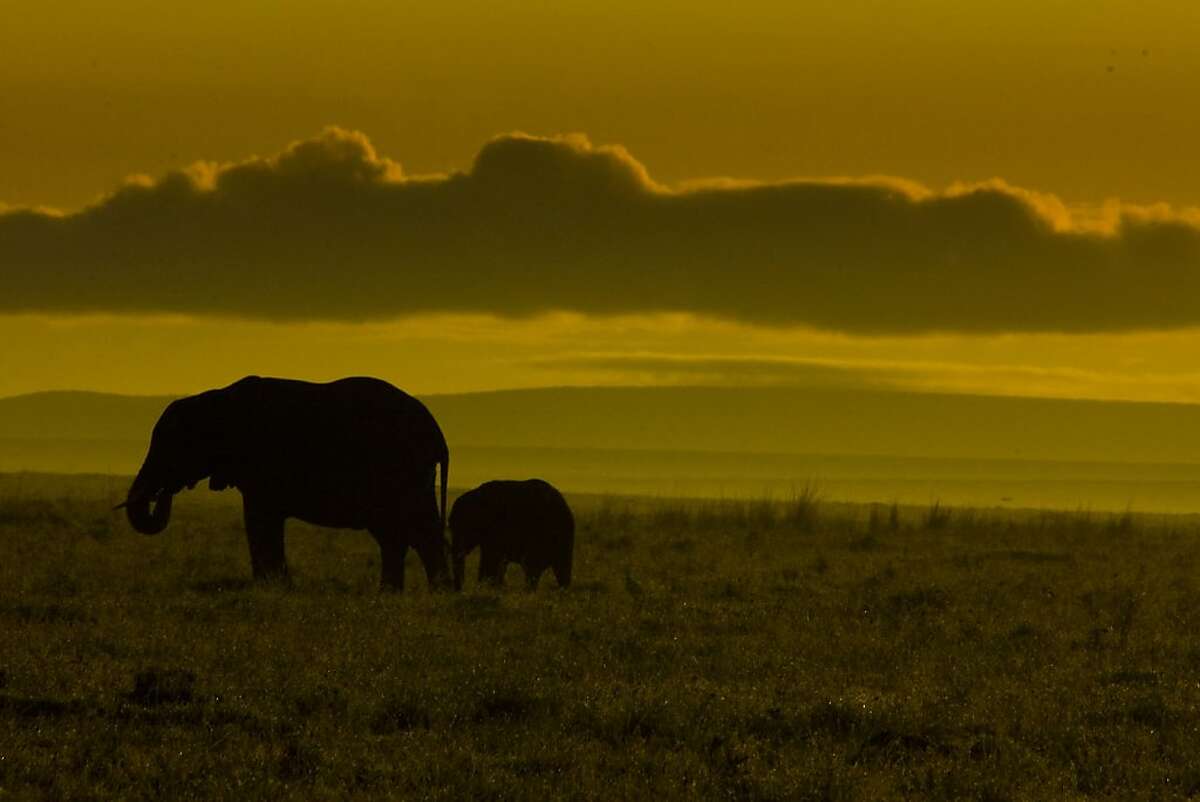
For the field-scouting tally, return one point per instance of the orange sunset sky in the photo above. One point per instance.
(987, 197)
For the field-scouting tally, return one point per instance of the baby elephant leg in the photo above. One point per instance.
(533, 574)
(491, 567)
(561, 564)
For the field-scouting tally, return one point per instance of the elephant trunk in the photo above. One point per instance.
(142, 517)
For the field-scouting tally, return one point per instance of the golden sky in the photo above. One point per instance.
(1084, 100)
(995, 197)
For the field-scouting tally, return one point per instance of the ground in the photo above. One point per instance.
(788, 649)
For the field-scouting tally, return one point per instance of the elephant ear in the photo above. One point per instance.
(224, 475)
(228, 431)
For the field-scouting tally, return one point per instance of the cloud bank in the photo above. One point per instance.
(330, 230)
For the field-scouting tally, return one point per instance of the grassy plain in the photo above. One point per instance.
(792, 649)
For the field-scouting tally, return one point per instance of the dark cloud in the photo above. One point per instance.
(330, 230)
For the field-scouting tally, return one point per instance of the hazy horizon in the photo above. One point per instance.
(767, 442)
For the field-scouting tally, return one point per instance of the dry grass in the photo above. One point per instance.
(799, 649)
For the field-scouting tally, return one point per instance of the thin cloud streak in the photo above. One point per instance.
(329, 230)
(905, 375)
(457, 353)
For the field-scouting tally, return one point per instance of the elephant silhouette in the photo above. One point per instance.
(526, 522)
(356, 453)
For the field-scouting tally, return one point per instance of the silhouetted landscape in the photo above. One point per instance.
(459, 400)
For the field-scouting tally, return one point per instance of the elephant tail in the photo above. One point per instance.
(445, 465)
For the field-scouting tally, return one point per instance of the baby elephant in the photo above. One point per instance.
(525, 522)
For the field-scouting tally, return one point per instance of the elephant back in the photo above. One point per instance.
(354, 424)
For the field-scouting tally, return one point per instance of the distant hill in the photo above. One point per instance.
(864, 445)
(761, 420)
(75, 415)
(823, 421)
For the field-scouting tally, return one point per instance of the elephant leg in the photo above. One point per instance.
(428, 539)
(392, 552)
(264, 535)
(533, 575)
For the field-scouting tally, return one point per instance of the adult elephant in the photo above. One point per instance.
(355, 453)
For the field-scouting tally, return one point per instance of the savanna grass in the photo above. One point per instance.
(790, 649)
